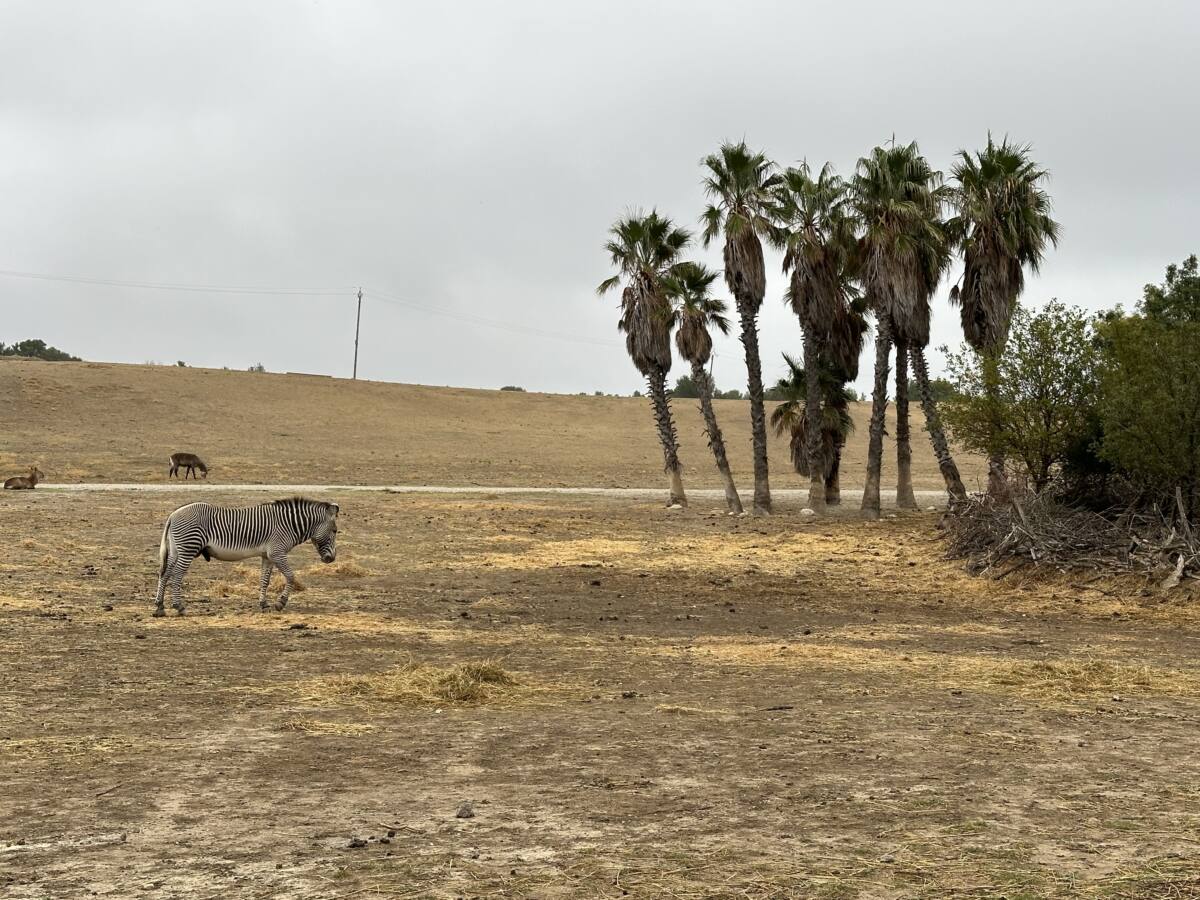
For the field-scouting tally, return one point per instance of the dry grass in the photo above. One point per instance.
(414, 684)
(1064, 680)
(316, 726)
(107, 426)
(346, 568)
(1084, 678)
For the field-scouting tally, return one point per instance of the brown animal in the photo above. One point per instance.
(25, 482)
(189, 461)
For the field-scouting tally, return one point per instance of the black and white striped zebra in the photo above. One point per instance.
(268, 530)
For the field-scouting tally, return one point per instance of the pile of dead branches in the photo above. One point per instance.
(996, 538)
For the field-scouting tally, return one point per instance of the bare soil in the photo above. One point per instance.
(703, 707)
(119, 423)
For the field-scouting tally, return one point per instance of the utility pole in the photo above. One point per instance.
(357, 321)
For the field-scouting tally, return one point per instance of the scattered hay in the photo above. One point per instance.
(1074, 678)
(316, 726)
(242, 581)
(1065, 680)
(413, 684)
(89, 745)
(346, 568)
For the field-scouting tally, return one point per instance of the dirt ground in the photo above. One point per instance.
(119, 423)
(703, 707)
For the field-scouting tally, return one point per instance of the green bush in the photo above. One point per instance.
(1151, 410)
(1036, 400)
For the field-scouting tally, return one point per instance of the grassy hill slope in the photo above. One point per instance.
(109, 422)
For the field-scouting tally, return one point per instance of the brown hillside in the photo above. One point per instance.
(108, 422)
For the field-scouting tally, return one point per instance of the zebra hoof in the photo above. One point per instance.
(179, 611)
(159, 612)
(279, 607)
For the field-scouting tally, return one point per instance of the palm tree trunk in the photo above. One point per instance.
(833, 484)
(937, 435)
(657, 389)
(883, 346)
(715, 441)
(758, 419)
(812, 415)
(997, 480)
(905, 498)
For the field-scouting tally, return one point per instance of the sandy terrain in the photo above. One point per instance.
(116, 423)
(703, 706)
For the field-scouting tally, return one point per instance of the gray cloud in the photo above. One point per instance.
(469, 157)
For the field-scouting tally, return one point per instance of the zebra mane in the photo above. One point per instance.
(304, 501)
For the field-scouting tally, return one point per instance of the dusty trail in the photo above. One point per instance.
(926, 498)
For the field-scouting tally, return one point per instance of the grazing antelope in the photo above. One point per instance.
(25, 482)
(268, 530)
(189, 461)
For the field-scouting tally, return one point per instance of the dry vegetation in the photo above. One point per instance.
(635, 702)
(104, 422)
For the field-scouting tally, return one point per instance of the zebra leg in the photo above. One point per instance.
(264, 582)
(158, 598)
(281, 563)
(178, 570)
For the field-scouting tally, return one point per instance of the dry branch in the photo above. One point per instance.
(993, 537)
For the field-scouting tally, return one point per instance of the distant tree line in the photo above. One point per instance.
(35, 348)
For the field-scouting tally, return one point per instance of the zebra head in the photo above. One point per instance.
(324, 535)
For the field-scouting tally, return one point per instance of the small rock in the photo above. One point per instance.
(298, 626)
(108, 607)
(391, 832)
(807, 513)
(595, 582)
(628, 695)
(356, 843)
(887, 858)
(466, 810)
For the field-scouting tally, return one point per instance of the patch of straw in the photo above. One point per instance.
(413, 684)
(316, 726)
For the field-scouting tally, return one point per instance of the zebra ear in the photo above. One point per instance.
(334, 508)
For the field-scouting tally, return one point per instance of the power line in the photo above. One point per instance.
(170, 286)
(391, 299)
(530, 330)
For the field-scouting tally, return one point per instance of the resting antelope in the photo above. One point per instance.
(25, 482)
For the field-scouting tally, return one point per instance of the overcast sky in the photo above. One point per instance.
(469, 157)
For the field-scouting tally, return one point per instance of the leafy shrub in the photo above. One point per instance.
(1036, 400)
(513, 387)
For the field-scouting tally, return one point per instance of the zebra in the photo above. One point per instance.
(268, 530)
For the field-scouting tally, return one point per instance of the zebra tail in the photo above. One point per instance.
(164, 551)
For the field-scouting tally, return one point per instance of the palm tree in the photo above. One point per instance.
(895, 201)
(688, 286)
(937, 258)
(791, 417)
(643, 248)
(741, 184)
(816, 233)
(1003, 224)
(844, 350)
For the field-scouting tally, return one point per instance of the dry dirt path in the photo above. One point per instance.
(925, 498)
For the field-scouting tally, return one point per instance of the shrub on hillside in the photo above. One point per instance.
(513, 387)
